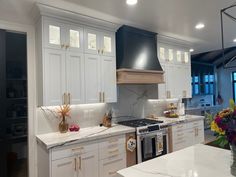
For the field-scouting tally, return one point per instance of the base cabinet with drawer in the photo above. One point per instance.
(187, 134)
(100, 158)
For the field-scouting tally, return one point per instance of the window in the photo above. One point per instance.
(234, 84)
(196, 85)
(209, 84)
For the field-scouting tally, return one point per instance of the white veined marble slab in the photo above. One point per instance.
(195, 161)
(51, 140)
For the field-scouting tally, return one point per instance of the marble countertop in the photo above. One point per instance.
(195, 161)
(181, 119)
(51, 140)
(203, 108)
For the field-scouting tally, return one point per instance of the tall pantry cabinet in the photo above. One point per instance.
(76, 63)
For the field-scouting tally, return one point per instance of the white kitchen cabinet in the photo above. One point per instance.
(108, 43)
(108, 70)
(93, 78)
(187, 134)
(88, 165)
(54, 77)
(100, 79)
(112, 156)
(99, 158)
(64, 167)
(63, 77)
(74, 38)
(75, 77)
(99, 42)
(61, 35)
(110, 166)
(76, 64)
(175, 61)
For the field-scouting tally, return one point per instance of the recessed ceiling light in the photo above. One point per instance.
(199, 26)
(191, 50)
(235, 40)
(131, 2)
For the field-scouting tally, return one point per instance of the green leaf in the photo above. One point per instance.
(221, 141)
(231, 104)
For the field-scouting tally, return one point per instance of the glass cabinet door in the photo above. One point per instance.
(108, 44)
(179, 56)
(74, 40)
(91, 43)
(186, 57)
(54, 34)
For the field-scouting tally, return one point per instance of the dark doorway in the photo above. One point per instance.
(13, 101)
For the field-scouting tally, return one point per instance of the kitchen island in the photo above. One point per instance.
(195, 161)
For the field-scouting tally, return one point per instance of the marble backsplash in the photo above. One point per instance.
(137, 101)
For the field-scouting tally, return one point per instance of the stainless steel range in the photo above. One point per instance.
(152, 138)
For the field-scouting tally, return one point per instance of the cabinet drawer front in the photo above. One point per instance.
(110, 166)
(195, 124)
(71, 150)
(181, 144)
(179, 127)
(112, 151)
(110, 143)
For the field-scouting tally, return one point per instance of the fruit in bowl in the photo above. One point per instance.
(74, 128)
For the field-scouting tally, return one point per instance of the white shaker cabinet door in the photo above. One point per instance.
(171, 79)
(108, 44)
(54, 77)
(75, 77)
(92, 78)
(66, 167)
(108, 70)
(88, 165)
(162, 87)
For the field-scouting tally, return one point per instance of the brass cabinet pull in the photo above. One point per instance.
(64, 98)
(78, 149)
(184, 93)
(103, 97)
(69, 97)
(114, 151)
(80, 163)
(62, 46)
(168, 94)
(100, 97)
(75, 164)
(98, 51)
(112, 173)
(67, 46)
(102, 51)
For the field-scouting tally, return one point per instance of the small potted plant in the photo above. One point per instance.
(224, 125)
(64, 112)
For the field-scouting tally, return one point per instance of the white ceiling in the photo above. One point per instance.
(175, 18)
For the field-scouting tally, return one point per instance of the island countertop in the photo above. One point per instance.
(51, 140)
(195, 161)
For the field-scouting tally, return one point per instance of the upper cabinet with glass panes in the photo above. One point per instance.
(168, 54)
(58, 35)
(97, 42)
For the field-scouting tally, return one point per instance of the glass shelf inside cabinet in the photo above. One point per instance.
(54, 35)
(107, 44)
(74, 39)
(92, 41)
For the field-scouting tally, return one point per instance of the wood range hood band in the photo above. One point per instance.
(134, 76)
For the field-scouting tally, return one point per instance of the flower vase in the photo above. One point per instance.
(233, 164)
(63, 126)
